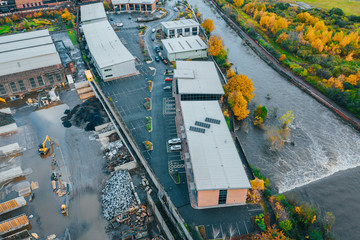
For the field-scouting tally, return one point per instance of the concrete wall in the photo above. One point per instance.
(208, 198)
(8, 149)
(236, 196)
(6, 110)
(187, 55)
(8, 128)
(119, 70)
(127, 166)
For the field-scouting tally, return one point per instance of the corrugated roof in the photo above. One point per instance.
(133, 1)
(215, 161)
(23, 36)
(104, 44)
(184, 44)
(94, 11)
(27, 51)
(180, 23)
(206, 79)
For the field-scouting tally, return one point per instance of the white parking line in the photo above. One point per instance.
(237, 227)
(246, 228)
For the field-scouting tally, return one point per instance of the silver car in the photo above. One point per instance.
(175, 148)
(174, 141)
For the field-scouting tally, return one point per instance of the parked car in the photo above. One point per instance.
(111, 19)
(167, 88)
(168, 79)
(175, 148)
(120, 24)
(174, 140)
(165, 61)
(153, 30)
(157, 59)
(161, 57)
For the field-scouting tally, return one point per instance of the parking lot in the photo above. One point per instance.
(129, 95)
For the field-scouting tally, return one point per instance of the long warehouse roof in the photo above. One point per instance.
(104, 44)
(215, 161)
(27, 51)
(197, 77)
(184, 44)
(94, 11)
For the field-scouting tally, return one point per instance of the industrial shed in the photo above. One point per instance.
(29, 61)
(181, 28)
(192, 47)
(110, 57)
(92, 13)
(218, 177)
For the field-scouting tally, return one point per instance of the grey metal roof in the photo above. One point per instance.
(205, 81)
(27, 43)
(94, 11)
(27, 51)
(215, 161)
(23, 36)
(184, 44)
(133, 1)
(104, 44)
(180, 23)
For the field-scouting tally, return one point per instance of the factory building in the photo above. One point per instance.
(180, 28)
(192, 47)
(28, 61)
(148, 6)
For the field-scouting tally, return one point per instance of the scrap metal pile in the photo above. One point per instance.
(116, 154)
(117, 195)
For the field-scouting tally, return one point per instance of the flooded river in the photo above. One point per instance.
(322, 167)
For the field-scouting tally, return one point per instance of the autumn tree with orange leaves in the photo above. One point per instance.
(208, 25)
(272, 233)
(215, 46)
(66, 16)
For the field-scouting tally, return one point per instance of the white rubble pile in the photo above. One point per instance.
(112, 149)
(117, 195)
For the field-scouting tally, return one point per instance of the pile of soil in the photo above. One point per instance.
(87, 115)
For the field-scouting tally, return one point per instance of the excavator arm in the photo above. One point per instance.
(42, 147)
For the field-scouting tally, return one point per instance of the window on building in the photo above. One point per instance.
(58, 77)
(137, 7)
(179, 31)
(222, 196)
(13, 87)
(143, 7)
(51, 79)
(148, 7)
(32, 82)
(131, 7)
(22, 85)
(40, 81)
(171, 32)
(2, 89)
(109, 75)
(109, 69)
(123, 7)
(187, 30)
(194, 30)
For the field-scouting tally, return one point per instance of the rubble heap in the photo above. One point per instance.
(117, 195)
(116, 154)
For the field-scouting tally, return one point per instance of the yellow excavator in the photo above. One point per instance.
(63, 209)
(43, 150)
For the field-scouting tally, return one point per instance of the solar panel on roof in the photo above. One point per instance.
(196, 129)
(202, 124)
(212, 120)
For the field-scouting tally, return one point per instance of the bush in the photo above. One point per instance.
(286, 225)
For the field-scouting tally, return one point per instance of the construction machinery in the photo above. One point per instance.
(64, 209)
(43, 150)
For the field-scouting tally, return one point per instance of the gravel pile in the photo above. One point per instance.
(117, 195)
(116, 154)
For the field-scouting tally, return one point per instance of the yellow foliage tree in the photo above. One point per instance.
(239, 105)
(208, 25)
(352, 79)
(281, 23)
(272, 233)
(339, 36)
(242, 84)
(238, 3)
(300, 28)
(320, 25)
(318, 45)
(230, 73)
(257, 184)
(215, 46)
(66, 16)
(282, 37)
(287, 118)
(14, 17)
(282, 57)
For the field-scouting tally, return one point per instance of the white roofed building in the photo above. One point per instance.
(191, 47)
(217, 175)
(134, 5)
(181, 28)
(92, 13)
(29, 61)
(197, 80)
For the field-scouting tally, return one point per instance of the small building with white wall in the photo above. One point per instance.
(217, 176)
(180, 28)
(110, 57)
(147, 6)
(197, 80)
(191, 47)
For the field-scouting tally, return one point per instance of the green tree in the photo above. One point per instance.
(286, 225)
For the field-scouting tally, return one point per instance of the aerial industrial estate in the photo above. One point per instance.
(131, 120)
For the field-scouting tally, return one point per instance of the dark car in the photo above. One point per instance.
(157, 59)
(161, 57)
(157, 49)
